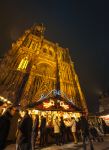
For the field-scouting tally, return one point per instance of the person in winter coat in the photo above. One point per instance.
(62, 131)
(5, 121)
(85, 131)
(43, 131)
(25, 129)
(56, 125)
(94, 133)
(104, 126)
(78, 129)
(73, 129)
(67, 122)
(35, 130)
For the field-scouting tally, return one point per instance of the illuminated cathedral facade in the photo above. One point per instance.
(35, 66)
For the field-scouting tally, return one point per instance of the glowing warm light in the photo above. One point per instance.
(4, 109)
(106, 116)
(106, 119)
(34, 111)
(4, 100)
(23, 64)
(66, 115)
(8, 102)
(22, 113)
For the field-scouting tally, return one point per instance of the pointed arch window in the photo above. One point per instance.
(23, 64)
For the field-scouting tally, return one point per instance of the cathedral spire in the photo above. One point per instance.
(38, 29)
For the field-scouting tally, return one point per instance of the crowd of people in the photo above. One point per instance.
(39, 131)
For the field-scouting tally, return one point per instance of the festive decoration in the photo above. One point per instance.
(62, 104)
(49, 104)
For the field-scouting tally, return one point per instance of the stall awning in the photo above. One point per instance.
(105, 112)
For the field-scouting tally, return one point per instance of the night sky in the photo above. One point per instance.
(82, 26)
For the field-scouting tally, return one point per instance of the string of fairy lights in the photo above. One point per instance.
(4, 100)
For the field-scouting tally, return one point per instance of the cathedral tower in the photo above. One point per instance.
(35, 66)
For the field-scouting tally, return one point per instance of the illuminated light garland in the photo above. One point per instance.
(4, 100)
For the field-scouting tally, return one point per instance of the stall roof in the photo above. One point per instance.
(54, 104)
(105, 112)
